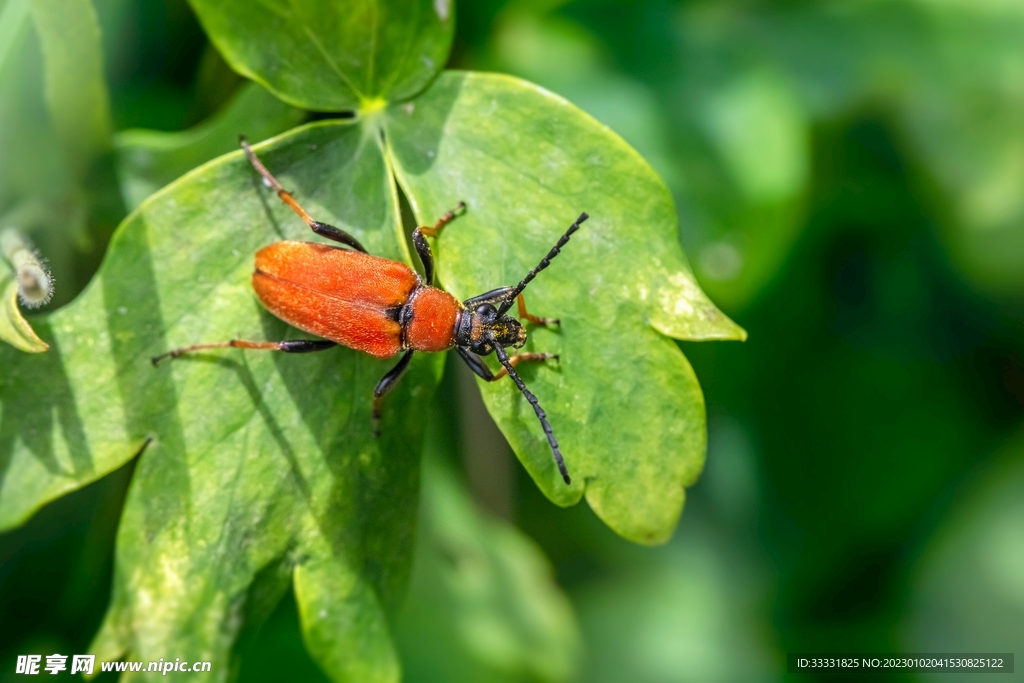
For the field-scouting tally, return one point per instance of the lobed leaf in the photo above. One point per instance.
(623, 400)
(333, 55)
(257, 466)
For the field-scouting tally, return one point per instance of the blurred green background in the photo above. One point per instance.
(850, 184)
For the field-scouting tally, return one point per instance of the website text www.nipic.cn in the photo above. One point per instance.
(86, 664)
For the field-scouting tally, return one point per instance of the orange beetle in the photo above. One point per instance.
(382, 307)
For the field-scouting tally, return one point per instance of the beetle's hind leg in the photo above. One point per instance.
(289, 346)
(322, 229)
(420, 235)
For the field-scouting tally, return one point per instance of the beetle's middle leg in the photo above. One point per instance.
(386, 384)
(322, 229)
(420, 235)
(289, 346)
(477, 365)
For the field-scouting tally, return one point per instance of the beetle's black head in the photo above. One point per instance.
(484, 328)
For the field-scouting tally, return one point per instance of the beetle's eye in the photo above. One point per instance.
(486, 310)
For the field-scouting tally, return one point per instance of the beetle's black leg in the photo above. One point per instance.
(322, 229)
(495, 296)
(289, 346)
(536, 320)
(544, 263)
(420, 235)
(386, 384)
(477, 365)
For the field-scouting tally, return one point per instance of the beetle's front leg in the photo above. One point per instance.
(420, 235)
(493, 297)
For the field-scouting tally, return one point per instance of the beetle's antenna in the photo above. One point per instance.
(544, 263)
(541, 415)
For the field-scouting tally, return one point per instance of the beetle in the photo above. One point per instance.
(383, 307)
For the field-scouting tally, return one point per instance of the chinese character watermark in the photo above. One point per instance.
(83, 664)
(28, 664)
(56, 663)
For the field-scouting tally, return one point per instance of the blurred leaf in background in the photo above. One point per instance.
(968, 587)
(693, 610)
(330, 56)
(76, 91)
(482, 605)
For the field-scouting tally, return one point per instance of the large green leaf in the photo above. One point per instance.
(258, 466)
(623, 400)
(333, 55)
(149, 159)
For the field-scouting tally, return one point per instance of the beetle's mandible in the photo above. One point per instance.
(382, 307)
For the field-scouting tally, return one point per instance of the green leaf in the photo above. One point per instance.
(747, 162)
(32, 163)
(333, 55)
(482, 604)
(695, 614)
(623, 400)
(963, 120)
(149, 159)
(13, 15)
(259, 466)
(980, 538)
(76, 92)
